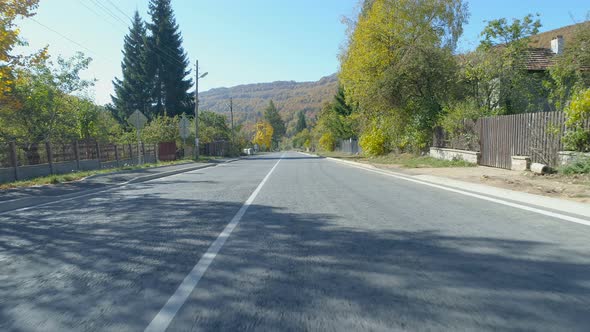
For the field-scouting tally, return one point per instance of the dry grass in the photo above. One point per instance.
(405, 160)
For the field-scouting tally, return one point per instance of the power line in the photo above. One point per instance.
(119, 9)
(109, 12)
(166, 50)
(64, 36)
(163, 53)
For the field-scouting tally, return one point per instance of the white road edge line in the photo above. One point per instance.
(486, 198)
(166, 314)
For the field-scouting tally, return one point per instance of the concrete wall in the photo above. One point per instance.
(6, 175)
(566, 157)
(453, 154)
(521, 163)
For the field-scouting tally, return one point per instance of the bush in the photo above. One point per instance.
(578, 166)
(373, 141)
(327, 142)
(578, 138)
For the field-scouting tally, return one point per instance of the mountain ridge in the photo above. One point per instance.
(290, 97)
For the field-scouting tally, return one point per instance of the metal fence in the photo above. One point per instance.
(348, 146)
(216, 149)
(536, 135)
(25, 160)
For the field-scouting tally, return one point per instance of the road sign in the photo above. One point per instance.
(184, 127)
(137, 120)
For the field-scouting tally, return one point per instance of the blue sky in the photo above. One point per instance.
(245, 41)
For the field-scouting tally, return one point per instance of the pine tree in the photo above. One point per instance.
(167, 62)
(272, 116)
(301, 122)
(339, 104)
(132, 92)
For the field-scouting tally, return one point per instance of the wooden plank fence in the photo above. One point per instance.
(537, 135)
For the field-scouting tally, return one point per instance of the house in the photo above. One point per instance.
(545, 46)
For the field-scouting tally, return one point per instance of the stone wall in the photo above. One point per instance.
(566, 157)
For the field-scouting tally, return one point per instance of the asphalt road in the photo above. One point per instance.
(322, 247)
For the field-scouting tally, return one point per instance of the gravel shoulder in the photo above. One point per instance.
(574, 188)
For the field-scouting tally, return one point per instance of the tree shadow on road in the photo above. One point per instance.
(282, 271)
(111, 262)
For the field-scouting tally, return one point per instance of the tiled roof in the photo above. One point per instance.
(539, 58)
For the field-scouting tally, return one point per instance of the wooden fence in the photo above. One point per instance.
(24, 160)
(537, 135)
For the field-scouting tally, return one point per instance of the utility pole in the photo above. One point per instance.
(197, 111)
(198, 77)
(231, 112)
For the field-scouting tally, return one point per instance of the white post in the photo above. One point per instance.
(138, 148)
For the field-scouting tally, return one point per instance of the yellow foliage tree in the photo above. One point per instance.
(399, 61)
(9, 37)
(264, 132)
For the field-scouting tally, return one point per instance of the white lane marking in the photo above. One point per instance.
(167, 313)
(486, 198)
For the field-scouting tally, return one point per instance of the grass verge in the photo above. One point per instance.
(69, 177)
(405, 160)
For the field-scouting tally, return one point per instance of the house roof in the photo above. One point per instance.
(539, 58)
(543, 39)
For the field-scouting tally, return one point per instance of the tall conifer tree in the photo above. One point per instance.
(167, 62)
(272, 116)
(301, 122)
(132, 92)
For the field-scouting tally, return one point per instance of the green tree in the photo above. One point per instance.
(339, 104)
(132, 92)
(272, 116)
(46, 108)
(213, 127)
(301, 138)
(167, 62)
(506, 46)
(301, 122)
(570, 73)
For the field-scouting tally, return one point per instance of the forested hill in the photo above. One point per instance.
(289, 97)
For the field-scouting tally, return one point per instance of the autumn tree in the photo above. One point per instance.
(400, 63)
(9, 38)
(264, 134)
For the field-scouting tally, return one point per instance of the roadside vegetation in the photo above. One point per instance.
(578, 166)
(401, 76)
(44, 98)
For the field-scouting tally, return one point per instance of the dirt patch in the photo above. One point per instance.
(571, 187)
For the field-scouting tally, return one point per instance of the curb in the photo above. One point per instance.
(25, 202)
